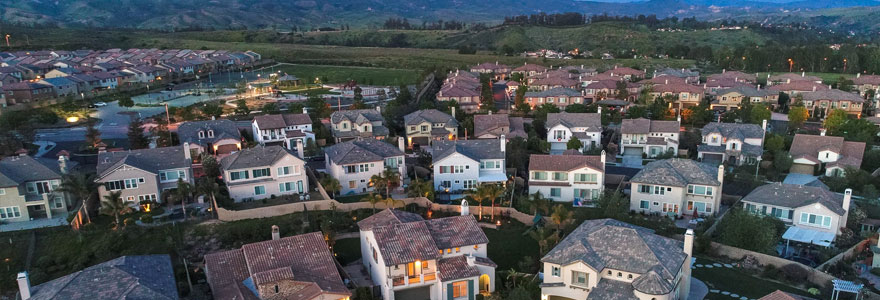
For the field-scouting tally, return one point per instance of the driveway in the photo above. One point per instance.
(632, 161)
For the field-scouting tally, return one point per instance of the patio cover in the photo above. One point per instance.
(809, 236)
(493, 177)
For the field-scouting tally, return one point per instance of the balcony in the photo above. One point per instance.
(403, 280)
(630, 142)
(414, 279)
(429, 276)
(398, 280)
(34, 197)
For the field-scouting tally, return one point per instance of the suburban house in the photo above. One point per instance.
(145, 174)
(829, 100)
(677, 187)
(689, 76)
(868, 86)
(798, 87)
(462, 165)
(62, 86)
(609, 259)
(528, 69)
(683, 95)
(733, 143)
(125, 277)
(551, 81)
(732, 98)
(643, 137)
(560, 97)
(412, 258)
(493, 126)
(215, 137)
(287, 130)
(27, 92)
(608, 89)
(807, 208)
(586, 127)
(263, 172)
(29, 188)
(463, 88)
(574, 178)
(355, 161)
(812, 153)
(735, 75)
(712, 87)
(625, 73)
(499, 71)
(294, 267)
(424, 126)
(359, 123)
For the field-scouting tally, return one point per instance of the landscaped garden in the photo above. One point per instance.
(731, 278)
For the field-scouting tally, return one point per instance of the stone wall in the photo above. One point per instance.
(814, 276)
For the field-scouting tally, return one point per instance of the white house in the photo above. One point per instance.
(359, 123)
(734, 143)
(641, 137)
(412, 258)
(809, 208)
(463, 164)
(811, 152)
(567, 178)
(586, 127)
(216, 137)
(355, 161)
(262, 172)
(677, 187)
(609, 259)
(287, 130)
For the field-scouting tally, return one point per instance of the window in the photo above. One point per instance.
(352, 184)
(659, 190)
(393, 162)
(459, 289)
(201, 134)
(670, 207)
(41, 187)
(261, 173)
(490, 164)
(110, 185)
(555, 192)
(288, 170)
(470, 184)
(285, 187)
(645, 189)
(166, 176)
(700, 190)
(259, 190)
(586, 193)
(412, 128)
(556, 271)
(781, 213)
(588, 178)
(644, 204)
(9, 212)
(57, 202)
(815, 220)
(130, 199)
(539, 175)
(579, 278)
(2, 191)
(560, 176)
(210, 133)
(150, 197)
(131, 183)
(558, 134)
(424, 128)
(238, 175)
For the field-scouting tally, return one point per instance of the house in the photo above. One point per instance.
(689, 76)
(798, 87)
(355, 161)
(791, 77)
(626, 73)
(424, 126)
(733, 143)
(732, 98)
(712, 87)
(288, 130)
(462, 165)
(27, 92)
(463, 88)
(125, 277)
(408, 257)
(62, 72)
(677, 187)
(551, 81)
(868, 86)
(216, 137)
(609, 259)
(574, 178)
(780, 295)
(829, 100)
(29, 188)
(499, 71)
(643, 137)
(560, 97)
(563, 127)
(808, 208)
(493, 126)
(528, 69)
(683, 95)
(831, 153)
(294, 267)
(62, 86)
(107, 80)
(359, 123)
(145, 174)
(263, 172)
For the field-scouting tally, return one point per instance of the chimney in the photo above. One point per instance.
(299, 148)
(602, 158)
(721, 173)
(764, 125)
(503, 140)
(276, 233)
(186, 152)
(62, 164)
(379, 109)
(401, 145)
(678, 119)
(453, 111)
(24, 285)
(213, 118)
(471, 260)
(847, 200)
(490, 112)
(803, 74)
(599, 110)
(666, 81)
(858, 75)
(723, 71)
(465, 209)
(689, 242)
(814, 88)
(822, 132)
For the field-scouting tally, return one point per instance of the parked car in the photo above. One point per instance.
(100, 104)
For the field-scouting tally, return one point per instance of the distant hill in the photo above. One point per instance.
(307, 14)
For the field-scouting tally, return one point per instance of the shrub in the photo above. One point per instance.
(128, 221)
(147, 219)
(770, 271)
(794, 273)
(703, 244)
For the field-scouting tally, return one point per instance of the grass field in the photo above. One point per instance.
(826, 77)
(363, 75)
(737, 281)
(508, 246)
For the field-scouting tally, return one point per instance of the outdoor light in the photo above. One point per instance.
(73, 119)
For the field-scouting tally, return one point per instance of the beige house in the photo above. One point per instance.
(683, 95)
(677, 187)
(829, 100)
(813, 152)
(462, 87)
(732, 98)
(29, 188)
(262, 172)
(609, 259)
(867, 84)
(809, 208)
(575, 178)
(145, 174)
(424, 126)
(643, 137)
(493, 126)
(359, 123)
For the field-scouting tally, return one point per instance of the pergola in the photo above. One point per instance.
(846, 286)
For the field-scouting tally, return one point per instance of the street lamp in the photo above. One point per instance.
(844, 65)
(790, 65)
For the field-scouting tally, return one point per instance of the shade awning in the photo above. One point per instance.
(804, 235)
(492, 177)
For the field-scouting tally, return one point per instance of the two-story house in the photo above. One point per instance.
(287, 130)
(791, 77)
(677, 187)
(574, 178)
(293, 267)
(683, 95)
(359, 123)
(586, 127)
(868, 86)
(493, 126)
(498, 71)
(811, 153)
(262, 172)
(735, 75)
(143, 175)
(528, 69)
(412, 258)
(29, 188)
(462, 87)
(463, 164)
(829, 100)
(689, 76)
(798, 87)
(355, 161)
(560, 97)
(733, 143)
(610, 259)
(424, 126)
(807, 208)
(732, 98)
(215, 137)
(643, 137)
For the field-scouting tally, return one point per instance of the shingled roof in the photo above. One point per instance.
(677, 172)
(357, 116)
(223, 129)
(405, 242)
(259, 156)
(734, 130)
(645, 126)
(126, 277)
(808, 147)
(266, 122)
(16, 170)
(794, 196)
(833, 95)
(430, 116)
(554, 92)
(360, 151)
(150, 160)
(591, 121)
(473, 149)
(456, 231)
(564, 163)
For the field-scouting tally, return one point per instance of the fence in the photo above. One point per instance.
(814, 276)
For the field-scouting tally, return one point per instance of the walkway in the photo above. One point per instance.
(699, 290)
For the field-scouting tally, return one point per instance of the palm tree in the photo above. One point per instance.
(493, 192)
(373, 199)
(419, 188)
(546, 239)
(539, 203)
(392, 180)
(112, 205)
(478, 195)
(182, 193)
(331, 185)
(208, 186)
(392, 203)
(81, 185)
(561, 216)
(377, 181)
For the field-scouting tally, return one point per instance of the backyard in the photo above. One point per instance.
(509, 245)
(734, 280)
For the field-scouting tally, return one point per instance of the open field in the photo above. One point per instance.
(826, 77)
(340, 74)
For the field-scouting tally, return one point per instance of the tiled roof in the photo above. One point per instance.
(808, 147)
(680, 73)
(747, 91)
(360, 151)
(794, 196)
(430, 116)
(833, 95)
(621, 71)
(664, 80)
(794, 77)
(591, 121)
(554, 81)
(527, 67)
(644, 126)
(867, 79)
(388, 217)
(126, 277)
(405, 242)
(780, 295)
(150, 160)
(16, 170)
(485, 123)
(653, 283)
(473, 149)
(733, 130)
(677, 172)
(188, 132)
(456, 267)
(800, 86)
(456, 231)
(554, 92)
(610, 289)
(278, 121)
(259, 156)
(564, 163)
(677, 88)
(357, 116)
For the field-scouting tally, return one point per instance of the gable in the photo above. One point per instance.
(456, 158)
(123, 169)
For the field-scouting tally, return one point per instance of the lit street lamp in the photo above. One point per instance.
(790, 65)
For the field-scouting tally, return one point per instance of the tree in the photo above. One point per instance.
(207, 186)
(844, 84)
(136, 137)
(387, 180)
(782, 161)
(560, 216)
(574, 143)
(834, 121)
(358, 104)
(93, 135)
(871, 160)
(182, 193)
(164, 137)
(760, 112)
(241, 107)
(212, 110)
(546, 238)
(797, 115)
(126, 102)
(774, 143)
(745, 230)
(487, 97)
(83, 187)
(271, 108)
(539, 204)
(331, 185)
(392, 203)
(520, 97)
(478, 195)
(613, 204)
(112, 205)
(373, 199)
(858, 130)
(420, 188)
(493, 192)
(210, 166)
(783, 101)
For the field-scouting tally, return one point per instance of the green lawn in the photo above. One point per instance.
(363, 75)
(737, 281)
(13, 253)
(508, 246)
(826, 77)
(347, 250)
